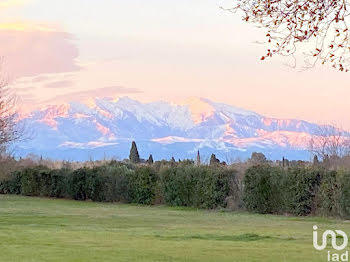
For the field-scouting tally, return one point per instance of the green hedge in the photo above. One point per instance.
(185, 185)
(39, 181)
(262, 190)
(344, 196)
(116, 182)
(142, 186)
(11, 184)
(266, 189)
(297, 191)
(201, 187)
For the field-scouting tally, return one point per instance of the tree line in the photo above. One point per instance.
(258, 188)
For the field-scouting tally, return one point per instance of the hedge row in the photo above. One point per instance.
(272, 190)
(201, 187)
(297, 191)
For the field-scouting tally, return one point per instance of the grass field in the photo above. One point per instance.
(37, 229)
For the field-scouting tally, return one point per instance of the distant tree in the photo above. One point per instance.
(9, 127)
(150, 160)
(285, 162)
(315, 161)
(198, 161)
(172, 160)
(257, 159)
(134, 156)
(187, 162)
(213, 160)
(326, 161)
(321, 26)
(329, 141)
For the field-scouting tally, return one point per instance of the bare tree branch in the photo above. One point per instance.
(330, 142)
(321, 25)
(9, 128)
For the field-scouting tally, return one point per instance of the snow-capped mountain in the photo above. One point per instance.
(105, 127)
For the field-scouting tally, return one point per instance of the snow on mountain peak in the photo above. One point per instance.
(52, 112)
(193, 123)
(230, 110)
(200, 109)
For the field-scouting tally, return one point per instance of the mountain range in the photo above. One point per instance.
(104, 128)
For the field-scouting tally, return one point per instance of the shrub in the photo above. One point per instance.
(38, 181)
(300, 189)
(201, 187)
(33, 180)
(57, 183)
(177, 185)
(142, 186)
(345, 195)
(328, 197)
(266, 189)
(116, 181)
(274, 190)
(263, 189)
(11, 184)
(85, 183)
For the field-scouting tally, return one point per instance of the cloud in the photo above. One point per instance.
(28, 26)
(60, 84)
(13, 3)
(27, 97)
(40, 79)
(27, 89)
(92, 144)
(37, 51)
(109, 91)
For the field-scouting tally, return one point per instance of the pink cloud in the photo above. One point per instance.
(59, 84)
(30, 53)
(110, 91)
(40, 79)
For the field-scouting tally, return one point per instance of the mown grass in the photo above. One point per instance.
(38, 229)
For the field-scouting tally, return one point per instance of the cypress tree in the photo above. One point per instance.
(213, 160)
(150, 159)
(134, 156)
(198, 162)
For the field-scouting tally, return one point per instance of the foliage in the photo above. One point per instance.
(329, 194)
(11, 184)
(262, 189)
(85, 183)
(33, 180)
(257, 159)
(300, 188)
(201, 187)
(134, 156)
(275, 190)
(116, 182)
(213, 160)
(142, 186)
(150, 160)
(345, 195)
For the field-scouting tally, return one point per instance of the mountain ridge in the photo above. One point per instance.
(163, 129)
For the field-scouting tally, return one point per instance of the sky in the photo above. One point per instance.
(56, 51)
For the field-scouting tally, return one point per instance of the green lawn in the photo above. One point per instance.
(37, 229)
